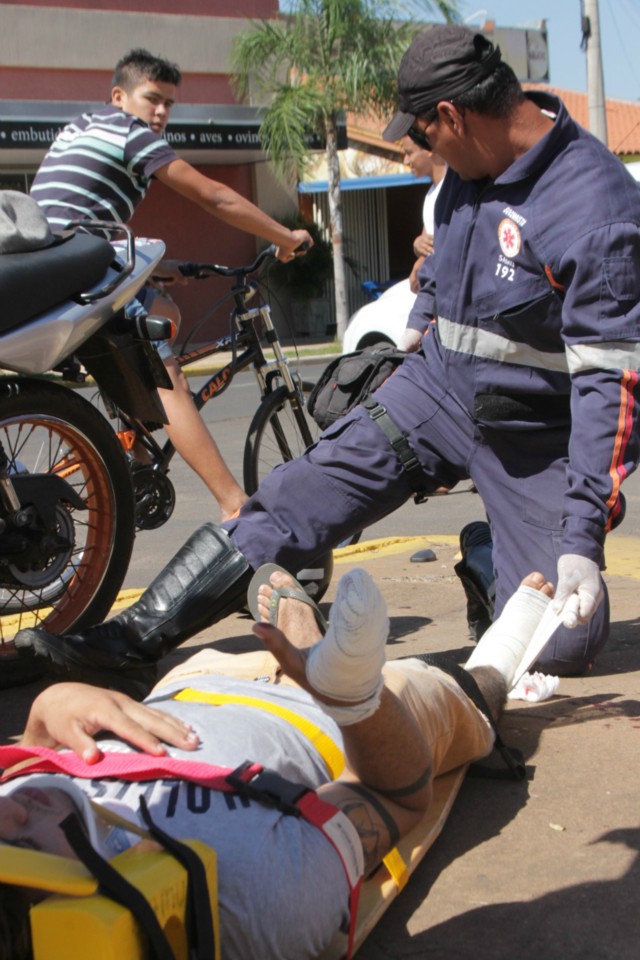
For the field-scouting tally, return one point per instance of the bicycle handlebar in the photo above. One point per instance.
(200, 271)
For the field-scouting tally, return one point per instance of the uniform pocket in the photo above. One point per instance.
(535, 322)
(621, 278)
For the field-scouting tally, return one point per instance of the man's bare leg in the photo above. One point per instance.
(376, 768)
(187, 430)
(388, 784)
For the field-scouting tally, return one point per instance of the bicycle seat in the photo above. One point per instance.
(31, 283)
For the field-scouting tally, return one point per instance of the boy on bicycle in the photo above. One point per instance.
(99, 168)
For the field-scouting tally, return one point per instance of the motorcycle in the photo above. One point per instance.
(67, 512)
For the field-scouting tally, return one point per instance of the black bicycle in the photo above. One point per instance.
(280, 429)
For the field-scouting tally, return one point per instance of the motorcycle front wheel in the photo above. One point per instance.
(68, 576)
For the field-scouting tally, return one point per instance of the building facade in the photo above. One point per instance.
(57, 58)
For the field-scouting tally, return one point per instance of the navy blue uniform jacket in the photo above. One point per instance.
(533, 300)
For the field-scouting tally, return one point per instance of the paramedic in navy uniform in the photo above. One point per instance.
(527, 382)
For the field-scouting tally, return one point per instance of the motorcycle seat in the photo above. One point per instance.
(34, 282)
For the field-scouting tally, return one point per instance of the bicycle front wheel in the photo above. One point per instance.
(281, 430)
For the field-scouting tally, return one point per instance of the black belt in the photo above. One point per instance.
(408, 460)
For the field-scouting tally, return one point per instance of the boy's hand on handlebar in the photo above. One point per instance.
(299, 238)
(168, 272)
(72, 714)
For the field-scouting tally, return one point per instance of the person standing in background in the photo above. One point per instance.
(423, 163)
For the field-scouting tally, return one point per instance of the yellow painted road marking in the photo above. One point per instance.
(388, 546)
(622, 553)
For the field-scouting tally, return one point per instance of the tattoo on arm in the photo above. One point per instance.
(376, 827)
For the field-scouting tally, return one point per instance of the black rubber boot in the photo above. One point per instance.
(475, 571)
(205, 581)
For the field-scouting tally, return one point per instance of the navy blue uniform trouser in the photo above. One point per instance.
(351, 478)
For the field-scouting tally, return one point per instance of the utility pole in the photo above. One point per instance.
(595, 81)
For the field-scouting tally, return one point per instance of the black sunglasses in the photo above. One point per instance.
(418, 137)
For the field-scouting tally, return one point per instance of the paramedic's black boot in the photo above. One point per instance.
(205, 581)
(475, 571)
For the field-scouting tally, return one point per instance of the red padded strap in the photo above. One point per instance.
(127, 766)
(19, 761)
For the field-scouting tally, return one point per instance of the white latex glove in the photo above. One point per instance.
(410, 340)
(579, 591)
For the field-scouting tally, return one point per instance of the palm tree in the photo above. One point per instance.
(322, 58)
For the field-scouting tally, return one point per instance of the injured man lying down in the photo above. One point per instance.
(351, 742)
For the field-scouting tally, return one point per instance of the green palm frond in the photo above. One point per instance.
(296, 114)
(256, 56)
(349, 49)
(321, 58)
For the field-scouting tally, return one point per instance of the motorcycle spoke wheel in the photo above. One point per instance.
(51, 431)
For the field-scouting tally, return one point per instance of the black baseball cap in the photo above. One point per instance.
(441, 63)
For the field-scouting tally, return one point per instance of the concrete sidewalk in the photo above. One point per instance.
(546, 869)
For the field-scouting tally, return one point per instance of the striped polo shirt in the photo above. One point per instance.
(99, 168)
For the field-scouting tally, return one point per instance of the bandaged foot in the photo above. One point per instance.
(347, 663)
(505, 643)
(342, 669)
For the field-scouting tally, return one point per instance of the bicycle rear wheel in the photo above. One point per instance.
(280, 432)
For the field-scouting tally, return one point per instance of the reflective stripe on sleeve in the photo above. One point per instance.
(578, 358)
(614, 355)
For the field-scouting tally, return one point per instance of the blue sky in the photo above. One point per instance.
(619, 35)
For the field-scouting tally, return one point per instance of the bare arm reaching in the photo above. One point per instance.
(223, 202)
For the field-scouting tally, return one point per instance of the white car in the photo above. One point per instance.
(381, 320)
